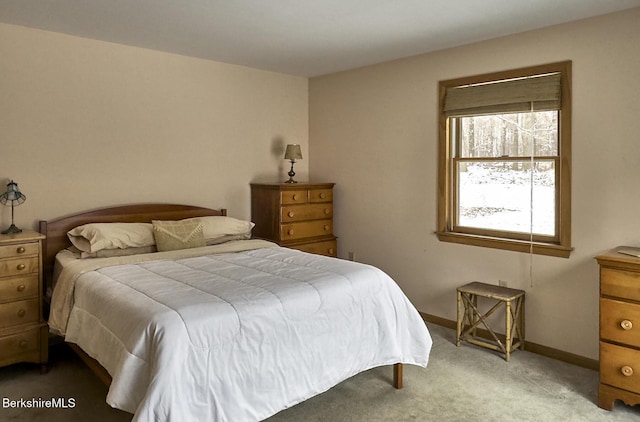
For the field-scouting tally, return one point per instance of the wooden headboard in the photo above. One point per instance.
(56, 230)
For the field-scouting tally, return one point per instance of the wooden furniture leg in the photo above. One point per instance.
(508, 334)
(461, 311)
(397, 375)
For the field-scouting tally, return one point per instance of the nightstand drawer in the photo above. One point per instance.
(18, 288)
(320, 195)
(306, 229)
(21, 346)
(18, 266)
(619, 283)
(21, 312)
(620, 322)
(620, 367)
(18, 250)
(306, 212)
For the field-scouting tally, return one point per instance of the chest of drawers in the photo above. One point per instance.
(619, 329)
(23, 331)
(295, 215)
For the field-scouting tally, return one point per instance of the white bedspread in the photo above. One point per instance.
(239, 336)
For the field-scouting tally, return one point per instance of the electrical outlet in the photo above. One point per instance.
(502, 283)
(352, 256)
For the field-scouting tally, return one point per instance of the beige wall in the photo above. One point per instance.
(374, 132)
(85, 124)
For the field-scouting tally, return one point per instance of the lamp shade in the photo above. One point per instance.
(293, 152)
(12, 196)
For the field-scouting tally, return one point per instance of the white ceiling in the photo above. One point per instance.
(299, 37)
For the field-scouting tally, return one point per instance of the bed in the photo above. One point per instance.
(233, 331)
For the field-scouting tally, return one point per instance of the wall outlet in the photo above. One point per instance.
(352, 256)
(502, 283)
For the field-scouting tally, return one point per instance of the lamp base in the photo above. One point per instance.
(12, 230)
(291, 174)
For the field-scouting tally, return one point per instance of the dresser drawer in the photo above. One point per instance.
(294, 197)
(619, 283)
(18, 288)
(620, 322)
(21, 312)
(306, 212)
(620, 367)
(320, 195)
(18, 250)
(328, 248)
(304, 229)
(18, 266)
(21, 346)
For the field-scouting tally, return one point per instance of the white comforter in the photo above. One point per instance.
(238, 336)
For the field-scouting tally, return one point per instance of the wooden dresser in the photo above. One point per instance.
(619, 329)
(295, 215)
(23, 332)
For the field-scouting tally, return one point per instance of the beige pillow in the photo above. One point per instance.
(216, 227)
(95, 237)
(172, 235)
(225, 239)
(109, 253)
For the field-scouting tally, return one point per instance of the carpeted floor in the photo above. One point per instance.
(460, 384)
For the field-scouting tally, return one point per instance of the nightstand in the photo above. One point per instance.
(469, 316)
(619, 329)
(23, 331)
(295, 215)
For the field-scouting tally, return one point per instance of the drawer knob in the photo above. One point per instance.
(290, 232)
(322, 195)
(23, 344)
(626, 324)
(326, 227)
(21, 313)
(331, 251)
(21, 288)
(291, 214)
(295, 197)
(627, 371)
(327, 211)
(21, 267)
(20, 249)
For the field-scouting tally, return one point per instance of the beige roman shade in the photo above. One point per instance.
(534, 93)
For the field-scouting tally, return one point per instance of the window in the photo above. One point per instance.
(505, 160)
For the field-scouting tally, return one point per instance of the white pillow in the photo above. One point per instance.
(215, 227)
(95, 237)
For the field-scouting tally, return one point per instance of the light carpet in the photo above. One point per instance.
(464, 383)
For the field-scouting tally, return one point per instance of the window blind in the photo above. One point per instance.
(535, 93)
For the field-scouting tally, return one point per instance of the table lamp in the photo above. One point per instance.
(292, 153)
(12, 197)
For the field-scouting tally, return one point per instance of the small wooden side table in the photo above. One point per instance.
(469, 317)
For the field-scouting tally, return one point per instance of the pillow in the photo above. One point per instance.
(108, 253)
(172, 235)
(94, 237)
(215, 227)
(225, 239)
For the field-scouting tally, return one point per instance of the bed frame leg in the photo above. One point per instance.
(397, 375)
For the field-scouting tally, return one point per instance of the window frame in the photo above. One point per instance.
(560, 245)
